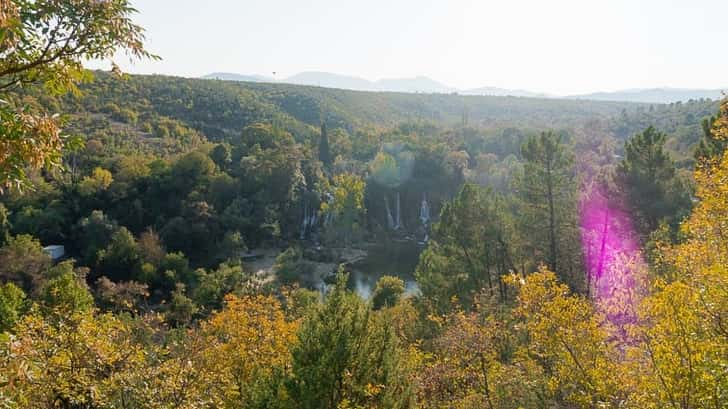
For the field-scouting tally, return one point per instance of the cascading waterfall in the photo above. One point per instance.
(398, 219)
(309, 219)
(424, 210)
(390, 219)
(425, 216)
(329, 217)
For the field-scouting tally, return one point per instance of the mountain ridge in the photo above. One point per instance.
(423, 84)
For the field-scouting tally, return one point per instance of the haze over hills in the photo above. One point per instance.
(422, 84)
(229, 76)
(664, 95)
(418, 84)
(504, 92)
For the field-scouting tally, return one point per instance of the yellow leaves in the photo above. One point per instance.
(100, 179)
(244, 343)
(565, 333)
(720, 127)
(348, 193)
(680, 360)
(74, 359)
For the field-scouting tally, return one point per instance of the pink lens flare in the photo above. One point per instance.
(615, 268)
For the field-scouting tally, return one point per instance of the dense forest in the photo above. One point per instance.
(568, 253)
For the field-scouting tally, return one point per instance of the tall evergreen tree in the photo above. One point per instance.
(547, 189)
(648, 181)
(470, 250)
(324, 149)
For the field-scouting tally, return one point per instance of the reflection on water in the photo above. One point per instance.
(393, 258)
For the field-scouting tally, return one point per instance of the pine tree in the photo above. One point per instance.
(347, 356)
(648, 180)
(547, 189)
(324, 149)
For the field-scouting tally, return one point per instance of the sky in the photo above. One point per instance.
(560, 47)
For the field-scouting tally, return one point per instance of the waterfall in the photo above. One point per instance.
(424, 211)
(390, 219)
(425, 217)
(398, 218)
(329, 217)
(305, 222)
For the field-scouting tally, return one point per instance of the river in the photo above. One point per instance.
(395, 258)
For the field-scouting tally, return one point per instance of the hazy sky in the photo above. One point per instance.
(554, 46)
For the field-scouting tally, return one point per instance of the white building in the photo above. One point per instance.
(56, 251)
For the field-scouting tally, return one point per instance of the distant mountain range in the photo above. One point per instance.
(421, 84)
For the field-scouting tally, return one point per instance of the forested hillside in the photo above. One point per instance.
(185, 243)
(163, 112)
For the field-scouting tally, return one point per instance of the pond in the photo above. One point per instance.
(395, 258)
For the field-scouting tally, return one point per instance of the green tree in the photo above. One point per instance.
(290, 267)
(99, 180)
(212, 286)
(4, 225)
(469, 250)
(94, 234)
(648, 180)
(715, 139)
(191, 170)
(387, 292)
(181, 308)
(346, 356)
(66, 290)
(324, 149)
(548, 192)
(12, 305)
(23, 261)
(120, 260)
(221, 155)
(345, 210)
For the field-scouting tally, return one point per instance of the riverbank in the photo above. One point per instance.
(262, 261)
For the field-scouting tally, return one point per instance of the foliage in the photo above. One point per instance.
(46, 42)
(684, 340)
(715, 136)
(22, 261)
(547, 188)
(470, 250)
(387, 292)
(247, 347)
(66, 291)
(648, 177)
(74, 362)
(99, 180)
(345, 210)
(347, 356)
(12, 303)
(290, 267)
(216, 167)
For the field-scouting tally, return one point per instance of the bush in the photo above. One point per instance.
(388, 291)
(291, 267)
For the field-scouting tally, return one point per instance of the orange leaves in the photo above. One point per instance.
(26, 141)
